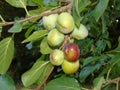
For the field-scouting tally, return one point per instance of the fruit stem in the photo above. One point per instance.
(67, 39)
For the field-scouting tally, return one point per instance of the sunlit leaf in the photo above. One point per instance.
(16, 3)
(100, 8)
(6, 83)
(98, 83)
(63, 83)
(6, 54)
(37, 73)
(44, 47)
(36, 35)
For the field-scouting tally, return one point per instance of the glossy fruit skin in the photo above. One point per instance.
(55, 38)
(70, 67)
(57, 57)
(65, 23)
(80, 33)
(49, 22)
(71, 52)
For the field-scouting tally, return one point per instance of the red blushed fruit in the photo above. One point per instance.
(71, 52)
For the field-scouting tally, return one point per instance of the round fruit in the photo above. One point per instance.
(65, 23)
(71, 52)
(55, 38)
(70, 67)
(57, 57)
(49, 22)
(80, 33)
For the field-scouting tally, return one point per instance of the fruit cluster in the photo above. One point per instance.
(59, 26)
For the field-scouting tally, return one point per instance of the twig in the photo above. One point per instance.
(66, 40)
(115, 81)
(39, 87)
(58, 10)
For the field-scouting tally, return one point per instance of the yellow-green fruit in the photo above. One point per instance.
(65, 23)
(55, 38)
(80, 33)
(57, 57)
(70, 67)
(49, 22)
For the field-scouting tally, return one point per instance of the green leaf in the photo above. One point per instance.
(37, 73)
(100, 46)
(6, 83)
(29, 31)
(98, 83)
(86, 71)
(113, 52)
(39, 2)
(93, 59)
(17, 27)
(77, 18)
(36, 35)
(82, 4)
(63, 83)
(0, 31)
(30, 3)
(44, 47)
(6, 54)
(16, 3)
(100, 8)
(39, 10)
(50, 2)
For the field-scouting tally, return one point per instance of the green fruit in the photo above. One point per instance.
(49, 22)
(80, 33)
(70, 67)
(65, 23)
(57, 57)
(55, 38)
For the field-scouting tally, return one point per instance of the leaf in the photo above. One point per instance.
(17, 27)
(29, 30)
(82, 4)
(37, 73)
(36, 35)
(39, 2)
(77, 18)
(0, 31)
(44, 47)
(6, 54)
(6, 83)
(30, 3)
(113, 52)
(93, 59)
(100, 8)
(63, 83)
(98, 83)
(50, 2)
(100, 46)
(86, 71)
(16, 3)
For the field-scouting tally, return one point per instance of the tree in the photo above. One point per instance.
(99, 48)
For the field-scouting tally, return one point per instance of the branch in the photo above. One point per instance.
(58, 10)
(115, 81)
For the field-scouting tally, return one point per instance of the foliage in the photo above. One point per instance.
(100, 51)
